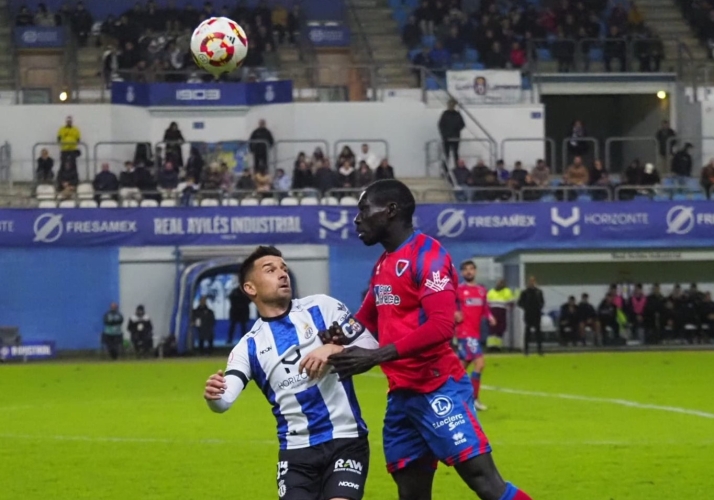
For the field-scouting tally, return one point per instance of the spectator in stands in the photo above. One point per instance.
(325, 178)
(105, 183)
(188, 190)
(345, 155)
(318, 154)
(518, 176)
(279, 21)
(246, 181)
(650, 176)
(302, 175)
(112, 336)
(173, 138)
(451, 124)
(615, 47)
(440, 59)
(294, 23)
(127, 179)
(128, 58)
(68, 136)
(365, 155)
(346, 175)
(82, 22)
(281, 182)
(577, 146)
(587, 318)
(384, 170)
(261, 140)
(263, 180)
(633, 173)
(211, 180)
(568, 323)
(479, 173)
(145, 180)
(682, 164)
(650, 51)
(462, 175)
(24, 17)
(67, 180)
(425, 16)
(204, 320)
(364, 175)
(541, 174)
(495, 58)
(518, 56)
(194, 164)
(664, 137)
(599, 178)
(45, 164)
(502, 173)
(44, 17)
(706, 179)
(168, 179)
(454, 43)
(141, 330)
(577, 176)
(64, 15)
(239, 313)
(411, 33)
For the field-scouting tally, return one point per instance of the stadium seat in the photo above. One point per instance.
(230, 202)
(44, 204)
(45, 192)
(348, 201)
(471, 55)
(585, 197)
(662, 197)
(108, 204)
(128, 192)
(428, 41)
(87, 204)
(249, 202)
(268, 202)
(330, 200)
(699, 196)
(595, 54)
(85, 191)
(67, 204)
(526, 83)
(290, 201)
(149, 204)
(400, 17)
(667, 181)
(309, 201)
(432, 83)
(413, 53)
(168, 202)
(544, 54)
(209, 202)
(129, 203)
(547, 198)
(476, 65)
(458, 65)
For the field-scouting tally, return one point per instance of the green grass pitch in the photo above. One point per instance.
(563, 427)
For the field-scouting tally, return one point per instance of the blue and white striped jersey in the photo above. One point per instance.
(308, 412)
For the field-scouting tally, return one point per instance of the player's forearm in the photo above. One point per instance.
(365, 341)
(234, 387)
(218, 405)
(438, 328)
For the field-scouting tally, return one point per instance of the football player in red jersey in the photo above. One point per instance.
(471, 309)
(411, 305)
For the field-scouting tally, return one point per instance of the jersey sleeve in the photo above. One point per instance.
(238, 374)
(354, 331)
(434, 270)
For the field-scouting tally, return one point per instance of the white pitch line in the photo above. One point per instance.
(108, 439)
(591, 399)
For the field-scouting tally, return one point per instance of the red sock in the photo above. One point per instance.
(521, 495)
(476, 383)
(513, 493)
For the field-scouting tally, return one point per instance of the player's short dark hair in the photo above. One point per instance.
(393, 191)
(585, 296)
(468, 263)
(249, 262)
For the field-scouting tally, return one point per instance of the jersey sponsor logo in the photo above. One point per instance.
(292, 380)
(474, 302)
(348, 466)
(451, 422)
(266, 350)
(437, 283)
(459, 438)
(441, 405)
(348, 484)
(402, 266)
(384, 296)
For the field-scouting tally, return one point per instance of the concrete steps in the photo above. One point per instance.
(429, 189)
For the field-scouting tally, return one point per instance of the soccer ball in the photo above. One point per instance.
(219, 45)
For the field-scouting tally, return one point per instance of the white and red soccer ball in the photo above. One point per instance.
(219, 45)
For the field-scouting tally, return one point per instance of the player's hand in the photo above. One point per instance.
(492, 321)
(315, 364)
(458, 317)
(356, 360)
(215, 386)
(333, 335)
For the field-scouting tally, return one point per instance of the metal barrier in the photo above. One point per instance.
(82, 148)
(97, 159)
(566, 158)
(6, 163)
(345, 192)
(347, 142)
(278, 159)
(469, 194)
(548, 141)
(658, 192)
(441, 159)
(566, 193)
(610, 140)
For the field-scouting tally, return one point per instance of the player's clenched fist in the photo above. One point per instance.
(215, 386)
(333, 335)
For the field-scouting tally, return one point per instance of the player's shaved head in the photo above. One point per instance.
(249, 262)
(391, 191)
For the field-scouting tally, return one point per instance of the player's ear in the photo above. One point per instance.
(249, 289)
(392, 210)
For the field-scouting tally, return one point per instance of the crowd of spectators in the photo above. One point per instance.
(683, 316)
(151, 43)
(700, 15)
(506, 34)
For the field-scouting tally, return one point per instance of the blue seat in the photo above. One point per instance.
(641, 197)
(458, 65)
(595, 54)
(432, 83)
(680, 197)
(525, 83)
(699, 196)
(544, 54)
(476, 66)
(395, 4)
(471, 55)
(411, 4)
(585, 197)
(693, 184)
(401, 17)
(413, 53)
(548, 198)
(428, 40)
(668, 182)
(661, 197)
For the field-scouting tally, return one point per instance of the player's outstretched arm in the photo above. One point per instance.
(222, 389)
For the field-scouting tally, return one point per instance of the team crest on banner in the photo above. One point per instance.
(402, 266)
(480, 86)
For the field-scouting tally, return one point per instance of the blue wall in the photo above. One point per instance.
(58, 294)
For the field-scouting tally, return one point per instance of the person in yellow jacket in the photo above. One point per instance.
(500, 301)
(68, 137)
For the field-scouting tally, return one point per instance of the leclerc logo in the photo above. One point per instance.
(198, 95)
(680, 220)
(451, 223)
(48, 228)
(441, 405)
(559, 222)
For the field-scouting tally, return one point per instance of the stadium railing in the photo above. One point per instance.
(355, 144)
(549, 143)
(468, 194)
(650, 158)
(56, 147)
(280, 158)
(471, 149)
(680, 140)
(659, 192)
(99, 158)
(567, 157)
(566, 193)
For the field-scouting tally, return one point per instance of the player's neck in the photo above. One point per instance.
(273, 310)
(397, 238)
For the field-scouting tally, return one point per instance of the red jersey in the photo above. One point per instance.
(472, 303)
(400, 281)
